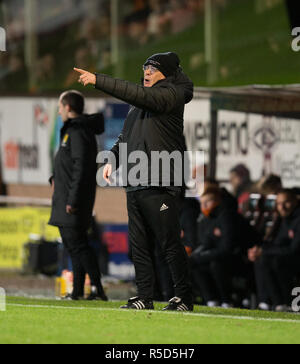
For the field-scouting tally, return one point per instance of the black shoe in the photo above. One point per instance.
(71, 297)
(97, 295)
(136, 303)
(177, 304)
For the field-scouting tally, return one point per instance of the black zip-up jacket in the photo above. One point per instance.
(75, 171)
(155, 121)
(287, 240)
(225, 233)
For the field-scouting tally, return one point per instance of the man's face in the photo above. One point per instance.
(208, 204)
(63, 111)
(152, 75)
(285, 205)
(235, 181)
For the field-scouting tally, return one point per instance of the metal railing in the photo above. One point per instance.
(28, 201)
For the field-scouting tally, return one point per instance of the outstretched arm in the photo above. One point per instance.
(157, 100)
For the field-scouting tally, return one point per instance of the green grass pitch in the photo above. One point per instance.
(33, 321)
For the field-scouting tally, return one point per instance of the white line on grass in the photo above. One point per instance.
(191, 314)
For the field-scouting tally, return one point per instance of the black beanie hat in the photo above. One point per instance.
(166, 63)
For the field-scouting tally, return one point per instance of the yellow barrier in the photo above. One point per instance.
(16, 224)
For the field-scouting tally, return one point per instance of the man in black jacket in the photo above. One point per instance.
(154, 124)
(224, 237)
(74, 184)
(212, 261)
(279, 258)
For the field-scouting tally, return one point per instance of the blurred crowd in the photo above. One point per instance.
(152, 19)
(66, 32)
(243, 247)
(12, 62)
(79, 32)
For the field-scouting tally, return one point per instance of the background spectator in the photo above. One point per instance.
(278, 258)
(269, 185)
(240, 181)
(212, 260)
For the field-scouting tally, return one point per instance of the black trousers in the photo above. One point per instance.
(164, 282)
(154, 216)
(261, 283)
(214, 279)
(278, 273)
(83, 259)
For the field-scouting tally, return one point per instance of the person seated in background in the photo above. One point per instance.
(240, 181)
(191, 210)
(261, 210)
(263, 216)
(269, 185)
(212, 261)
(278, 259)
(227, 197)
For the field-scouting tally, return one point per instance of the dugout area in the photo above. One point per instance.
(269, 101)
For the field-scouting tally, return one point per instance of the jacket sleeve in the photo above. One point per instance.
(80, 158)
(291, 249)
(116, 151)
(153, 99)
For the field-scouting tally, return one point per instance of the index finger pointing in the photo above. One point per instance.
(79, 70)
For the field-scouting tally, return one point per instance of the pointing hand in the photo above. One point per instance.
(86, 78)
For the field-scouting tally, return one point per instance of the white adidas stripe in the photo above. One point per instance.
(164, 207)
(139, 305)
(182, 307)
(182, 314)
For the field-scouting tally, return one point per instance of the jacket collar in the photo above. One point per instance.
(217, 211)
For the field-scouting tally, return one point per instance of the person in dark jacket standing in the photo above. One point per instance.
(74, 184)
(154, 124)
